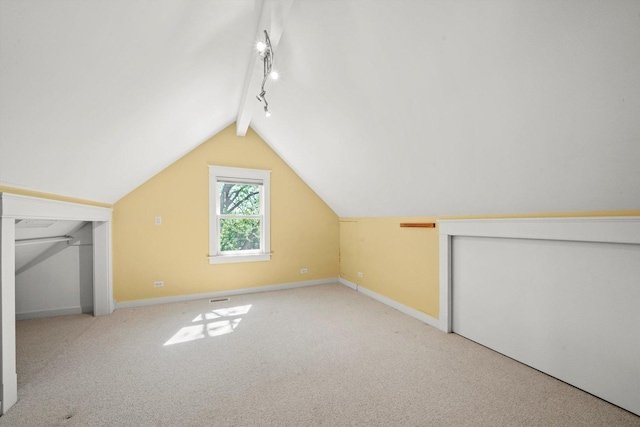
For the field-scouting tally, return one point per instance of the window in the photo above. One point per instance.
(238, 215)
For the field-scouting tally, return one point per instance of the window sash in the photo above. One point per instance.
(231, 175)
(248, 181)
(234, 182)
(220, 217)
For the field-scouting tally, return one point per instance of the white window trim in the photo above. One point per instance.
(241, 174)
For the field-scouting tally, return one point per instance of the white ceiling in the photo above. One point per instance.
(383, 107)
(99, 96)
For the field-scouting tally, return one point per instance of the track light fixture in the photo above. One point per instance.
(266, 53)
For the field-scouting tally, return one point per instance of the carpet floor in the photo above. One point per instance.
(316, 356)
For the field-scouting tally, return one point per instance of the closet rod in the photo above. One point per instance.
(418, 224)
(39, 240)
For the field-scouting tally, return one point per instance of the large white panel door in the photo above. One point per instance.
(570, 309)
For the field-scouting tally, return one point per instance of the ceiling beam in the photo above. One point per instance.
(273, 18)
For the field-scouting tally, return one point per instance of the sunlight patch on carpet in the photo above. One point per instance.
(212, 329)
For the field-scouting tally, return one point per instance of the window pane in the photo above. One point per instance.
(240, 234)
(239, 199)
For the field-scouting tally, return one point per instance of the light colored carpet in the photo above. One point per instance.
(322, 355)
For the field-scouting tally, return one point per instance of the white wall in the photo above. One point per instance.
(559, 294)
(61, 284)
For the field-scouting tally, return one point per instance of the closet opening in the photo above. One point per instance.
(55, 259)
(54, 268)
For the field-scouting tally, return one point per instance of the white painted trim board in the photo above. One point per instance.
(218, 294)
(28, 315)
(423, 317)
(348, 284)
(15, 206)
(583, 233)
(624, 229)
(27, 207)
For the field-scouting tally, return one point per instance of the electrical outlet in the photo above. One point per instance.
(158, 220)
(359, 274)
(158, 284)
(303, 271)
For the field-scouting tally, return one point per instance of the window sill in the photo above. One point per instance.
(227, 259)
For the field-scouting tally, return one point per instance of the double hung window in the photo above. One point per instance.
(239, 228)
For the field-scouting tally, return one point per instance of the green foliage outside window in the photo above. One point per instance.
(239, 234)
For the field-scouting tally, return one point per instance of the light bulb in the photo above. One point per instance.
(267, 113)
(274, 75)
(261, 46)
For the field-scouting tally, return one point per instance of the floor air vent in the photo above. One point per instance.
(219, 300)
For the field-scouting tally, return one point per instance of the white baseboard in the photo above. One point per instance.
(53, 313)
(193, 297)
(431, 321)
(348, 283)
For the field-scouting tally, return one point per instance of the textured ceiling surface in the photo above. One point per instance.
(99, 96)
(383, 107)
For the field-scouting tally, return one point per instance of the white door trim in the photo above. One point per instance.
(478, 274)
(625, 229)
(8, 376)
(12, 207)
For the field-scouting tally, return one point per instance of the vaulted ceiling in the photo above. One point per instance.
(383, 107)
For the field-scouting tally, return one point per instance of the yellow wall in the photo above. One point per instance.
(403, 263)
(304, 230)
(399, 263)
(40, 194)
